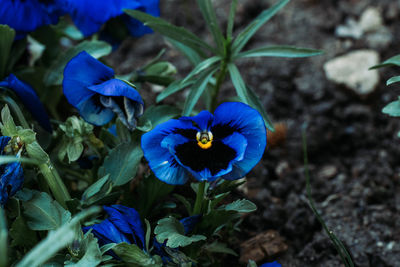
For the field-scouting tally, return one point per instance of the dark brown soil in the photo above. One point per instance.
(353, 148)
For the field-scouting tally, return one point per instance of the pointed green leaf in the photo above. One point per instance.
(205, 64)
(246, 95)
(172, 89)
(392, 109)
(6, 39)
(242, 205)
(190, 54)
(179, 34)
(243, 37)
(393, 80)
(44, 213)
(132, 255)
(122, 163)
(231, 20)
(172, 230)
(280, 51)
(97, 49)
(393, 61)
(210, 18)
(197, 90)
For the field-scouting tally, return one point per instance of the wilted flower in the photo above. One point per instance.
(90, 15)
(90, 86)
(11, 175)
(227, 144)
(271, 264)
(29, 98)
(122, 225)
(27, 15)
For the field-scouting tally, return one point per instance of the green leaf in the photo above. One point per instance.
(123, 133)
(6, 40)
(122, 163)
(178, 34)
(3, 239)
(246, 95)
(205, 64)
(280, 51)
(97, 191)
(44, 213)
(21, 234)
(97, 49)
(190, 54)
(55, 241)
(393, 108)
(74, 150)
(160, 114)
(36, 152)
(173, 88)
(242, 205)
(393, 61)
(197, 90)
(8, 127)
(243, 37)
(231, 20)
(132, 254)
(393, 80)
(172, 230)
(208, 12)
(217, 247)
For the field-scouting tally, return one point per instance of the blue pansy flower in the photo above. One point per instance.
(89, 16)
(27, 15)
(225, 145)
(137, 28)
(29, 98)
(271, 264)
(90, 86)
(122, 225)
(11, 175)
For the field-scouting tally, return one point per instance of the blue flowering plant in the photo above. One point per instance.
(93, 170)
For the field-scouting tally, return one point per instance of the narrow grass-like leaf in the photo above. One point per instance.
(393, 108)
(393, 61)
(6, 39)
(280, 51)
(202, 66)
(97, 49)
(210, 18)
(55, 241)
(3, 239)
(393, 80)
(190, 54)
(10, 159)
(172, 89)
(246, 95)
(231, 20)
(197, 90)
(179, 34)
(243, 37)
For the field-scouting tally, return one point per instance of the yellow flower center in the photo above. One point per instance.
(204, 139)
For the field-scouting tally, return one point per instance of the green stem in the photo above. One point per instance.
(220, 78)
(199, 198)
(3, 239)
(15, 108)
(55, 183)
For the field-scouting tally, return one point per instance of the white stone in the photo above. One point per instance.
(371, 19)
(352, 70)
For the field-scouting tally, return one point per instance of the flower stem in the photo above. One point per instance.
(199, 198)
(220, 78)
(55, 183)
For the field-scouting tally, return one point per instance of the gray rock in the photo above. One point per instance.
(352, 71)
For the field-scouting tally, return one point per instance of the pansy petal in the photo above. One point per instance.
(202, 120)
(116, 87)
(93, 112)
(29, 98)
(3, 143)
(11, 181)
(89, 17)
(161, 161)
(106, 232)
(190, 222)
(271, 264)
(82, 71)
(129, 216)
(248, 122)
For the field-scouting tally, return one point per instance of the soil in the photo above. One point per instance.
(353, 148)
